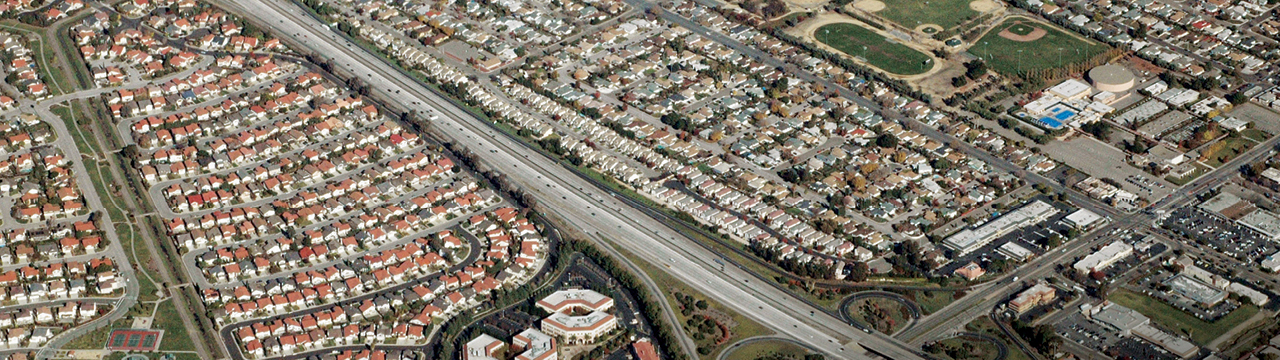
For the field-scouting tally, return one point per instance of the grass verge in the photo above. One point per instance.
(1200, 331)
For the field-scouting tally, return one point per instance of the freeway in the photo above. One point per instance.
(576, 201)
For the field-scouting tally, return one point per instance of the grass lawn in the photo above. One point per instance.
(885, 315)
(931, 301)
(913, 13)
(768, 348)
(1232, 147)
(746, 327)
(96, 338)
(982, 350)
(1256, 135)
(1169, 317)
(878, 51)
(1011, 57)
(175, 333)
(1200, 170)
(983, 325)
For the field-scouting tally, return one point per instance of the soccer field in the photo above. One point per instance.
(913, 13)
(1017, 54)
(878, 51)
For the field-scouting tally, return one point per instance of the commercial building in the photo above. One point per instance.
(1119, 318)
(1037, 295)
(1082, 219)
(579, 329)
(575, 299)
(1196, 290)
(1175, 345)
(1272, 262)
(644, 350)
(1104, 257)
(970, 271)
(534, 345)
(567, 320)
(483, 347)
(1263, 221)
(1014, 252)
(968, 240)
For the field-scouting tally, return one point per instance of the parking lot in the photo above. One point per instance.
(1221, 235)
(1101, 160)
(1076, 328)
(1030, 237)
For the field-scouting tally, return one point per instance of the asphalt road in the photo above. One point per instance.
(563, 193)
(980, 301)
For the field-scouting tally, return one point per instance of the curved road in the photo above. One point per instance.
(574, 201)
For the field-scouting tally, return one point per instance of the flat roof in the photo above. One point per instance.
(1263, 221)
(1220, 202)
(1120, 317)
(969, 239)
(1071, 88)
(1083, 217)
(1195, 290)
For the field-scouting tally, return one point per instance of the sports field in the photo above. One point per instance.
(1019, 45)
(860, 42)
(913, 13)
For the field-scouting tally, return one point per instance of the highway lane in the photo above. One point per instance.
(562, 192)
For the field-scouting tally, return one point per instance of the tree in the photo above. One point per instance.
(887, 141)
(959, 81)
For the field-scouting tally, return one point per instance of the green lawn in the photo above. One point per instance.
(96, 338)
(1256, 135)
(878, 51)
(746, 327)
(175, 333)
(931, 301)
(913, 13)
(1055, 49)
(1234, 146)
(770, 349)
(885, 315)
(1169, 317)
(983, 325)
(974, 349)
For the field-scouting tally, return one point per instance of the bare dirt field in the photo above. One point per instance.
(869, 5)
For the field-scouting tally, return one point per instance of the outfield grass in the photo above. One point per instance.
(769, 349)
(913, 13)
(1011, 57)
(1201, 332)
(878, 51)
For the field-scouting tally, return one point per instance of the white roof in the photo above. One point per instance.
(1071, 88)
(1083, 218)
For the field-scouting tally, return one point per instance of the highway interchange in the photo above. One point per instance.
(578, 202)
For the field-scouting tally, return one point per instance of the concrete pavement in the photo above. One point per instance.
(564, 193)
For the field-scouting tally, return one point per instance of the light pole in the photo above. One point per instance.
(1019, 60)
